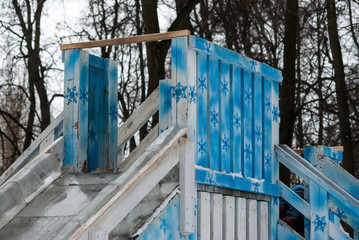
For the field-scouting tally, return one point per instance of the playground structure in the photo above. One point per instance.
(208, 170)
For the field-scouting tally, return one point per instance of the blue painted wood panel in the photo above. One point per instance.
(258, 126)
(165, 105)
(166, 225)
(267, 129)
(202, 110)
(248, 123)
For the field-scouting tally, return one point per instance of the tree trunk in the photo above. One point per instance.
(287, 90)
(341, 88)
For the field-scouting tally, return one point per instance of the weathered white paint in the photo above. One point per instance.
(136, 188)
(187, 187)
(216, 216)
(252, 228)
(228, 217)
(204, 216)
(241, 218)
(263, 226)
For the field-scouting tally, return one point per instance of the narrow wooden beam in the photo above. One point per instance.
(125, 40)
(301, 150)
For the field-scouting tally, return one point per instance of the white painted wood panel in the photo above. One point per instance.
(204, 216)
(228, 217)
(241, 218)
(263, 220)
(216, 216)
(252, 227)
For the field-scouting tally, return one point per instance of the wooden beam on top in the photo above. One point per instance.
(301, 150)
(125, 40)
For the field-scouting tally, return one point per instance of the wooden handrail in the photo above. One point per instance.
(125, 40)
(301, 150)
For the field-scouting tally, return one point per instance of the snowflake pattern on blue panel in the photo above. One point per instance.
(256, 186)
(224, 85)
(335, 157)
(83, 96)
(178, 91)
(71, 95)
(341, 214)
(163, 224)
(208, 47)
(237, 121)
(267, 160)
(268, 104)
(247, 151)
(275, 114)
(202, 83)
(210, 178)
(225, 143)
(195, 207)
(214, 117)
(192, 94)
(319, 223)
(253, 64)
(258, 133)
(248, 96)
(202, 146)
(92, 135)
(113, 113)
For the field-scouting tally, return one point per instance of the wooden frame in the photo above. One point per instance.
(126, 40)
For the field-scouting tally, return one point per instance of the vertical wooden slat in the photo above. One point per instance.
(258, 126)
(318, 212)
(165, 105)
(81, 81)
(173, 79)
(275, 162)
(263, 225)
(192, 93)
(228, 217)
(356, 235)
(225, 117)
(204, 216)
(112, 115)
(237, 146)
(241, 219)
(182, 78)
(252, 228)
(214, 134)
(216, 216)
(187, 187)
(247, 124)
(202, 125)
(267, 129)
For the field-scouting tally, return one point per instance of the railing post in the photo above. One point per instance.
(90, 112)
(318, 212)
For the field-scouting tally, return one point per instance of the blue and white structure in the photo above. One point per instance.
(208, 170)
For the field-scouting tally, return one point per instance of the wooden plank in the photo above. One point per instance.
(214, 133)
(252, 227)
(228, 217)
(356, 235)
(174, 63)
(164, 105)
(225, 117)
(112, 115)
(192, 93)
(216, 216)
(181, 89)
(141, 147)
(263, 223)
(187, 187)
(204, 216)
(126, 40)
(275, 162)
(318, 212)
(202, 111)
(267, 129)
(248, 124)
(232, 181)
(237, 130)
(144, 112)
(286, 233)
(202, 45)
(296, 201)
(117, 208)
(258, 126)
(81, 79)
(301, 150)
(241, 219)
(336, 233)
